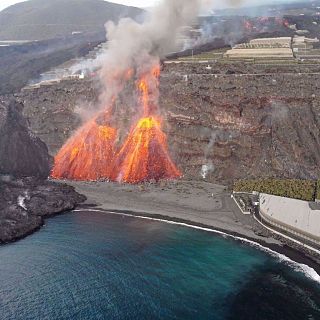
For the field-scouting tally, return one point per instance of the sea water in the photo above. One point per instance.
(90, 265)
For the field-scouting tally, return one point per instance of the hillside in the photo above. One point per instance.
(38, 19)
(236, 121)
(21, 63)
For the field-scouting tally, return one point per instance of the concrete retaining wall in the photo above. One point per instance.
(291, 215)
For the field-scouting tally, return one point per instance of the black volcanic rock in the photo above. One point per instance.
(24, 203)
(21, 153)
(26, 198)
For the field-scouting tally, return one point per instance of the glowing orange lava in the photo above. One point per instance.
(90, 153)
(144, 155)
(148, 82)
(87, 154)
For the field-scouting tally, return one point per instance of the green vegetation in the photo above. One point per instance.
(318, 190)
(297, 189)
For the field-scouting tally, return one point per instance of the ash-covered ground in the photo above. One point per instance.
(228, 122)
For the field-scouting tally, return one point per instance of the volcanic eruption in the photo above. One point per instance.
(88, 153)
(144, 155)
(133, 54)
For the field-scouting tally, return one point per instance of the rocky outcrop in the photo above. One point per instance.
(24, 204)
(21, 152)
(26, 197)
(54, 111)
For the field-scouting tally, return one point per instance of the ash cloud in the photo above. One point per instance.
(138, 46)
(133, 44)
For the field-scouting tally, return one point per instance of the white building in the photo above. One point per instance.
(303, 44)
(264, 48)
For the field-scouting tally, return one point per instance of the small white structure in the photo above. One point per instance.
(303, 44)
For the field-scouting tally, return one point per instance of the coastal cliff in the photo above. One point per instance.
(22, 154)
(26, 197)
(24, 203)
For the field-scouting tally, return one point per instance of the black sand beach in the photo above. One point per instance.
(193, 203)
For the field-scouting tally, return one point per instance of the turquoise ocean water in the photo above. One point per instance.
(102, 266)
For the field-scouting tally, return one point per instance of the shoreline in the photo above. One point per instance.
(294, 256)
(195, 203)
(27, 202)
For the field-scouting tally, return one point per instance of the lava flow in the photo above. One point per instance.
(144, 155)
(86, 155)
(90, 153)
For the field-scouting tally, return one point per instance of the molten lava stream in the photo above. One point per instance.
(87, 155)
(144, 155)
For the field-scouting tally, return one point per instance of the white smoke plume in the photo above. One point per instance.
(209, 167)
(206, 169)
(137, 47)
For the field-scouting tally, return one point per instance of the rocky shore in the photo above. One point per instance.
(26, 196)
(24, 203)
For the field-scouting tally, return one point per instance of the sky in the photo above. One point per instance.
(136, 3)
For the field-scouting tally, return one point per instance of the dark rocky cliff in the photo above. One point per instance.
(26, 197)
(238, 121)
(24, 203)
(21, 152)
